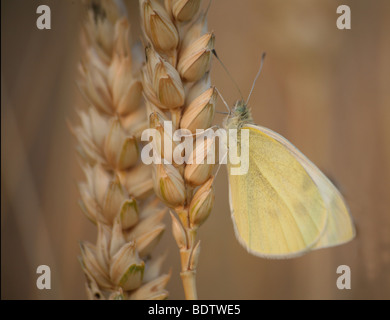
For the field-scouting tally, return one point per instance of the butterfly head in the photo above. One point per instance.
(239, 116)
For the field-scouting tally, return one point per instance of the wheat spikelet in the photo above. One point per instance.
(177, 86)
(117, 194)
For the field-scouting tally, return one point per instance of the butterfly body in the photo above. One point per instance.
(239, 116)
(284, 205)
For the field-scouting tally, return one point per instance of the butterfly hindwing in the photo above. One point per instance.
(340, 227)
(277, 208)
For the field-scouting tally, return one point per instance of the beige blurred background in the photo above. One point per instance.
(326, 90)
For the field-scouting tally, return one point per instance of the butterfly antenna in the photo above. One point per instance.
(257, 76)
(228, 73)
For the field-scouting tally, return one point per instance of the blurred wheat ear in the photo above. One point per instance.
(118, 192)
(177, 87)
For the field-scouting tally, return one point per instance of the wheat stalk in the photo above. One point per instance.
(177, 86)
(117, 194)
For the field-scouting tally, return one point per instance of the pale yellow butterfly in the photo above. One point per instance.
(284, 206)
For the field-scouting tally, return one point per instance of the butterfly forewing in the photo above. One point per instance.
(277, 208)
(340, 227)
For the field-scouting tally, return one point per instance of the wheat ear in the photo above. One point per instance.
(177, 87)
(117, 194)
